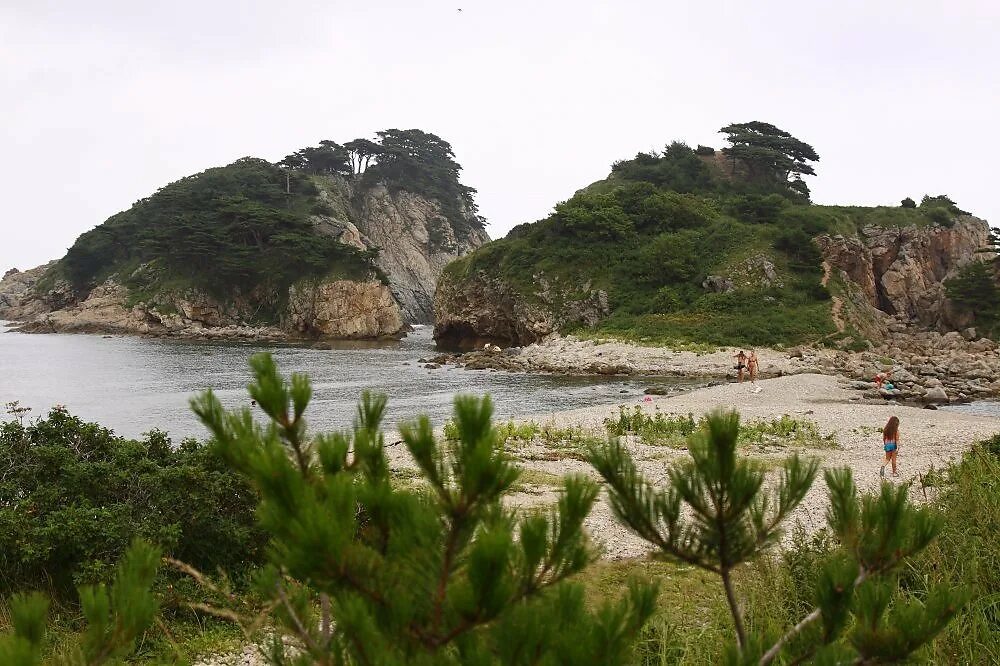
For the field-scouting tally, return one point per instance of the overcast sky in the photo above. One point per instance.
(101, 103)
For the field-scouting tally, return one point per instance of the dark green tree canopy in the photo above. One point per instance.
(329, 157)
(772, 156)
(408, 159)
(361, 152)
(679, 169)
(243, 228)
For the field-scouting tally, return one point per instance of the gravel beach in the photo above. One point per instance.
(927, 438)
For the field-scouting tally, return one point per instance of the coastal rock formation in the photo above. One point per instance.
(480, 308)
(901, 270)
(17, 293)
(317, 309)
(414, 238)
(343, 309)
(925, 366)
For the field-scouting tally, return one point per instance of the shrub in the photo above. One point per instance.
(116, 617)
(940, 216)
(799, 247)
(74, 496)
(975, 290)
(908, 203)
(704, 150)
(756, 208)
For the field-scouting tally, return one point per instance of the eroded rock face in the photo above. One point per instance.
(901, 271)
(17, 294)
(104, 311)
(317, 309)
(343, 309)
(480, 308)
(415, 240)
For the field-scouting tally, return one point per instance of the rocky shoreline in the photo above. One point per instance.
(926, 367)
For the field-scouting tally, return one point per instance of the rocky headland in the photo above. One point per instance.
(375, 250)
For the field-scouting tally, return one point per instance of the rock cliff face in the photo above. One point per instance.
(18, 300)
(316, 309)
(343, 309)
(901, 271)
(473, 309)
(414, 238)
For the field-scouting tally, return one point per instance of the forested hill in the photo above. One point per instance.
(248, 231)
(695, 245)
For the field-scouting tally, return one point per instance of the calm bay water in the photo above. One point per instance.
(132, 385)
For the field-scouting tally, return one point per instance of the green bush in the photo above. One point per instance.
(975, 290)
(117, 616)
(756, 208)
(940, 216)
(908, 203)
(74, 496)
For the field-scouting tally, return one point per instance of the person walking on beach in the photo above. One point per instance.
(741, 365)
(753, 365)
(890, 442)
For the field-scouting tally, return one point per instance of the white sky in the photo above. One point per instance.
(102, 102)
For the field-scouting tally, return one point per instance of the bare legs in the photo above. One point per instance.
(890, 459)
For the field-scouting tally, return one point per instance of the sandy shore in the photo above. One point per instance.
(927, 438)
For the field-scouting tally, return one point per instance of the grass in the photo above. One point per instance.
(558, 442)
(190, 636)
(735, 318)
(659, 429)
(967, 553)
(691, 619)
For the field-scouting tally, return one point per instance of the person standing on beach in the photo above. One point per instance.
(890, 443)
(741, 365)
(753, 365)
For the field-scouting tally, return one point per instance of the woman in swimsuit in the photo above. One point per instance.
(890, 442)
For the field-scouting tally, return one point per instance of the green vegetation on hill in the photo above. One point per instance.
(243, 232)
(411, 160)
(661, 224)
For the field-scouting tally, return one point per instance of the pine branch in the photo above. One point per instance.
(813, 615)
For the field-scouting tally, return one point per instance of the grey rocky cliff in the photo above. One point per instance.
(18, 300)
(414, 238)
(901, 271)
(478, 308)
